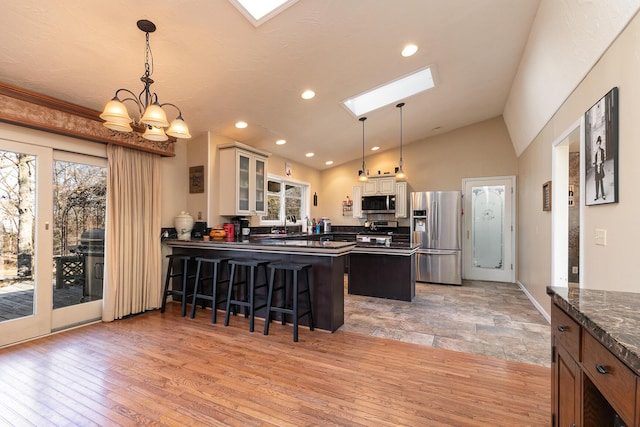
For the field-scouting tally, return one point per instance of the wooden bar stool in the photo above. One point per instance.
(217, 265)
(295, 294)
(171, 273)
(248, 294)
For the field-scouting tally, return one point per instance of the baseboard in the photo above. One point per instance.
(534, 302)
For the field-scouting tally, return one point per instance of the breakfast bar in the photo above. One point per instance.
(327, 258)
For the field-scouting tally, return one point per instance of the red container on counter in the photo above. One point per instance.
(229, 228)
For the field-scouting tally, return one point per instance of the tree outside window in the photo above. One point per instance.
(285, 198)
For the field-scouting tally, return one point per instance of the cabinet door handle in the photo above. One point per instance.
(602, 369)
(562, 328)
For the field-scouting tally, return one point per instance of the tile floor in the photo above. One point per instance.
(488, 318)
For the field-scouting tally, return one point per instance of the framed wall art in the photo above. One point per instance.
(546, 196)
(196, 179)
(601, 151)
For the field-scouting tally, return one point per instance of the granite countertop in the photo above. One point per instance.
(610, 316)
(392, 249)
(314, 247)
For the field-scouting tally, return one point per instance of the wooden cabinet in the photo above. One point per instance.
(243, 180)
(357, 201)
(379, 186)
(566, 372)
(590, 385)
(401, 199)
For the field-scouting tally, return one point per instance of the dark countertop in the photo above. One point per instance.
(610, 316)
(310, 247)
(394, 248)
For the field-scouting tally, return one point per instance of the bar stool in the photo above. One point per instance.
(250, 267)
(198, 292)
(295, 294)
(184, 274)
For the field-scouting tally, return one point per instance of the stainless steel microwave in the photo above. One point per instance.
(379, 204)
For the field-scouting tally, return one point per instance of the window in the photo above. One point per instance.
(285, 198)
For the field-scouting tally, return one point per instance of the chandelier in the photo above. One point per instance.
(152, 120)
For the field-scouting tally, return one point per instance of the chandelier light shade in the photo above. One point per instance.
(152, 116)
(399, 172)
(362, 173)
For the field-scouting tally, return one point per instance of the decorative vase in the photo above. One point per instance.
(217, 233)
(183, 224)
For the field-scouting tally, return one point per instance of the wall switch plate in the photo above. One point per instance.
(600, 237)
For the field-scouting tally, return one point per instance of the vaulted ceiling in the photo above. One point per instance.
(219, 68)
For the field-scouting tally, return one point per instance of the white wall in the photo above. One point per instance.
(566, 40)
(611, 267)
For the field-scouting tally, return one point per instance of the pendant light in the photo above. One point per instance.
(399, 172)
(362, 173)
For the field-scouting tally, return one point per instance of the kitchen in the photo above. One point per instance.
(440, 161)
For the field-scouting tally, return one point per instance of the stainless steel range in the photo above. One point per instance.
(378, 232)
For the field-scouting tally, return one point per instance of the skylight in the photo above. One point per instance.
(390, 92)
(260, 11)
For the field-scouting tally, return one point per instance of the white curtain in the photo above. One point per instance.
(133, 254)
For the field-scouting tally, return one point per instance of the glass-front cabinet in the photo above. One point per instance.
(243, 180)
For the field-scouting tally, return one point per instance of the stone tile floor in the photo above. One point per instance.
(487, 318)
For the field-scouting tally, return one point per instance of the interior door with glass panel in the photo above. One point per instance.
(489, 216)
(25, 241)
(79, 209)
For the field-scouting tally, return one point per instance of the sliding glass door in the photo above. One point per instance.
(52, 221)
(25, 246)
(79, 209)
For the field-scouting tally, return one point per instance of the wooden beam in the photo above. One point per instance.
(30, 109)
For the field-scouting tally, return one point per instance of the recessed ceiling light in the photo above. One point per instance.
(308, 94)
(390, 92)
(376, 148)
(409, 50)
(281, 142)
(241, 125)
(310, 154)
(328, 162)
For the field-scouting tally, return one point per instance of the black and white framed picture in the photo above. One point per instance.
(601, 151)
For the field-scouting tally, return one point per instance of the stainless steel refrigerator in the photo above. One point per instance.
(436, 227)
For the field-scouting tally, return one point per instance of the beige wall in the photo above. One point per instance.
(438, 163)
(175, 184)
(610, 267)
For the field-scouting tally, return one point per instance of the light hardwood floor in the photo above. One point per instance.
(161, 369)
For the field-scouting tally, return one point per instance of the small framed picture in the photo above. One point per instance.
(546, 196)
(196, 179)
(601, 151)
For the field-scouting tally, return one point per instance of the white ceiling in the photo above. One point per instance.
(219, 68)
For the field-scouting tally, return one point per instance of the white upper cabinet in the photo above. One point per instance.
(379, 186)
(401, 199)
(357, 201)
(243, 180)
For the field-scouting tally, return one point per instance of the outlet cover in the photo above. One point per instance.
(574, 269)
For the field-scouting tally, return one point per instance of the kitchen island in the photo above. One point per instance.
(327, 259)
(595, 365)
(383, 271)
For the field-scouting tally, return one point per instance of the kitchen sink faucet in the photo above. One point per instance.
(291, 218)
